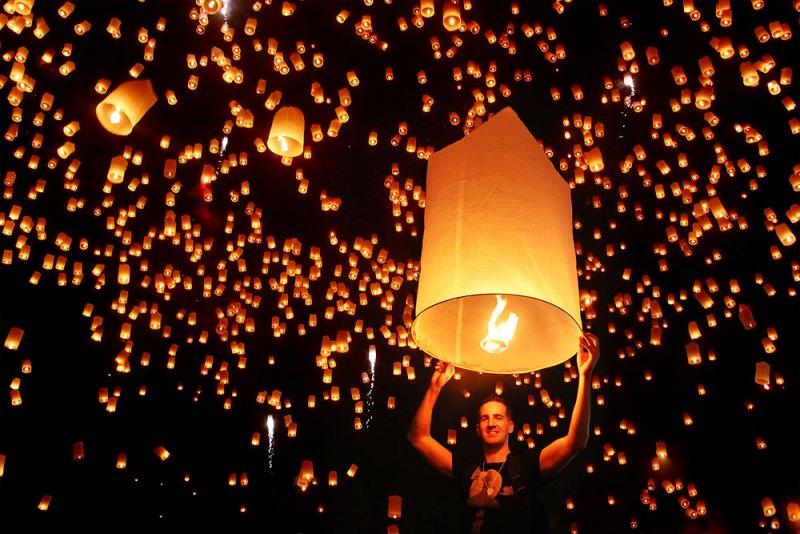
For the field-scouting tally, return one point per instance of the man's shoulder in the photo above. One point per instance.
(525, 454)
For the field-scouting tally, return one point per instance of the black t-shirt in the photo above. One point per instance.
(490, 502)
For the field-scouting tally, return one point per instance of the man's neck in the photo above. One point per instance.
(496, 453)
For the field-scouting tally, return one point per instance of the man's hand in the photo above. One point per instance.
(588, 354)
(442, 374)
(558, 453)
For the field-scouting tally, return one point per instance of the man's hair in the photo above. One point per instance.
(493, 397)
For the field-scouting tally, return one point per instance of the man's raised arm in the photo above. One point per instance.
(558, 454)
(419, 431)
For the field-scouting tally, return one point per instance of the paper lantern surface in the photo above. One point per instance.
(498, 222)
(125, 106)
(286, 134)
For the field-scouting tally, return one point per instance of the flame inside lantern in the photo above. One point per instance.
(499, 334)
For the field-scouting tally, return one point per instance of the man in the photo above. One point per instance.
(499, 490)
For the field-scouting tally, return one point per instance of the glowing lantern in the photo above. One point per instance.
(762, 374)
(451, 17)
(124, 274)
(395, 506)
(161, 452)
(749, 74)
(627, 51)
(746, 317)
(286, 134)
(13, 339)
(212, 6)
(44, 504)
(785, 234)
(793, 511)
(497, 243)
(594, 158)
(426, 8)
(116, 170)
(78, 451)
(23, 7)
(703, 98)
(125, 106)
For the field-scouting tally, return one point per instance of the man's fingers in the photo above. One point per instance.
(589, 342)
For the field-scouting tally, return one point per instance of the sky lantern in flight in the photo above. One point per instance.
(286, 134)
(23, 7)
(125, 106)
(498, 290)
(212, 6)
(451, 18)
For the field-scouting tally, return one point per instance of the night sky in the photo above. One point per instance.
(684, 235)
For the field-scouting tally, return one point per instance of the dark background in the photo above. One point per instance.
(181, 410)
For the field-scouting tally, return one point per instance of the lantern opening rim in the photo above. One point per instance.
(415, 323)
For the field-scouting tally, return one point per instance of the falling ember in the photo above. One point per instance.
(372, 356)
(499, 335)
(271, 437)
(628, 80)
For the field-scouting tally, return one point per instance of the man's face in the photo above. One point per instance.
(494, 425)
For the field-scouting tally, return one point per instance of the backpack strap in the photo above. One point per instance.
(523, 497)
(517, 477)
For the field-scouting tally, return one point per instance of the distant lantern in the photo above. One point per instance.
(286, 134)
(212, 6)
(426, 8)
(749, 74)
(161, 452)
(451, 16)
(497, 290)
(116, 170)
(395, 506)
(125, 106)
(14, 338)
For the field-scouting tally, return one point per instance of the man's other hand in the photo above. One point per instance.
(442, 374)
(588, 354)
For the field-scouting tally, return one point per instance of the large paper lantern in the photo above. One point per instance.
(125, 106)
(212, 6)
(286, 135)
(451, 18)
(23, 7)
(498, 288)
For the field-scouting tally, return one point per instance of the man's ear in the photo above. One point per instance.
(511, 427)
